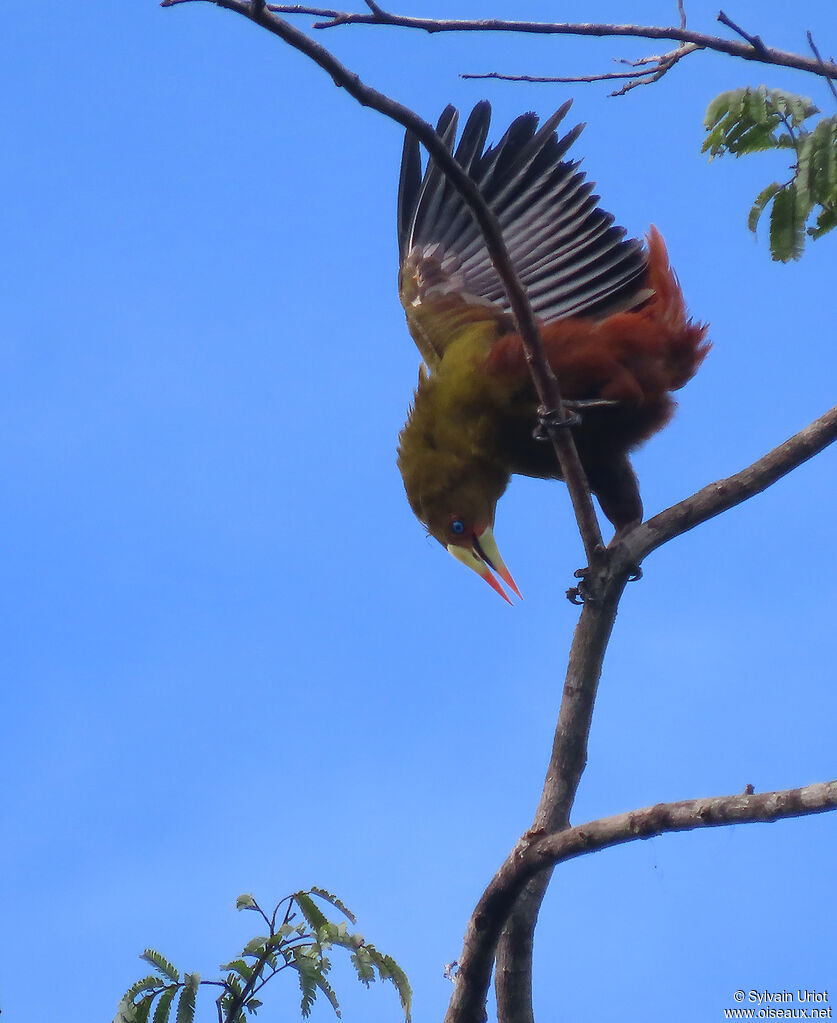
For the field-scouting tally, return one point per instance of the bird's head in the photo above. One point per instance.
(456, 500)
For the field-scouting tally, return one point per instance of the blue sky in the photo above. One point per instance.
(232, 662)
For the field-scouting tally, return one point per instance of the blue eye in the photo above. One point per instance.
(457, 526)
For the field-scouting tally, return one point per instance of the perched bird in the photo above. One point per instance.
(611, 313)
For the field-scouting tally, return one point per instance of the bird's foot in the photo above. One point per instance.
(553, 419)
(589, 578)
(572, 409)
(582, 404)
(583, 593)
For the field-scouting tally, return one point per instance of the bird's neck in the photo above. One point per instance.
(465, 403)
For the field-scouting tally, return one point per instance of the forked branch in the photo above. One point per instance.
(553, 840)
(538, 851)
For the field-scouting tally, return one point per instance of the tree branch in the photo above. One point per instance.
(546, 385)
(569, 751)
(644, 71)
(726, 493)
(513, 898)
(566, 766)
(538, 851)
(751, 49)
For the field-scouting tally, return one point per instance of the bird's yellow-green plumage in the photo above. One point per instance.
(450, 451)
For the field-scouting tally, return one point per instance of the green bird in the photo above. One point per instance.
(610, 310)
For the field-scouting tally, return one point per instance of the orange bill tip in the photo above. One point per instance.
(481, 561)
(487, 546)
(492, 582)
(506, 576)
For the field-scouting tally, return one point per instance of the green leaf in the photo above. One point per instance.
(399, 978)
(240, 967)
(186, 1002)
(311, 911)
(143, 1008)
(126, 1012)
(246, 902)
(750, 120)
(337, 903)
(149, 983)
(363, 965)
(161, 964)
(786, 230)
(226, 1006)
(278, 937)
(803, 179)
(759, 111)
(337, 934)
(826, 221)
(328, 991)
(799, 108)
(234, 984)
(717, 109)
(747, 120)
(762, 199)
(821, 161)
(309, 973)
(255, 946)
(161, 1013)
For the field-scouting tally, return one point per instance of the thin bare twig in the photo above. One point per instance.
(645, 71)
(829, 78)
(747, 50)
(540, 851)
(754, 41)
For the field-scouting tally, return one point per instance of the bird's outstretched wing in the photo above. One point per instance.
(569, 255)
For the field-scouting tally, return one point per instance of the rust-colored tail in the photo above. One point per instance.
(633, 357)
(665, 314)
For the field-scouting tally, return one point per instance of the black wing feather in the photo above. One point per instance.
(567, 251)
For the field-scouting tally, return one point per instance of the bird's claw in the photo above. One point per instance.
(551, 419)
(581, 404)
(575, 594)
(572, 409)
